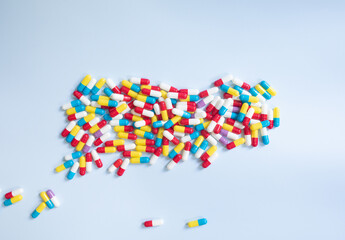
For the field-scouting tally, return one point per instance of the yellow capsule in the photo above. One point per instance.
(86, 80)
(164, 94)
(100, 83)
(136, 118)
(122, 135)
(198, 141)
(201, 120)
(179, 147)
(109, 149)
(256, 109)
(165, 150)
(239, 141)
(134, 154)
(256, 126)
(75, 130)
(118, 142)
(41, 207)
(80, 146)
(145, 86)
(233, 92)
(260, 89)
(132, 94)
(135, 160)
(127, 84)
(146, 128)
(164, 114)
(179, 128)
(121, 108)
(244, 108)
(140, 148)
(16, 198)
(44, 196)
(205, 124)
(139, 133)
(89, 117)
(211, 150)
(82, 162)
(119, 128)
(255, 134)
(160, 133)
(253, 99)
(276, 112)
(228, 127)
(103, 102)
(71, 111)
(103, 99)
(141, 142)
(94, 129)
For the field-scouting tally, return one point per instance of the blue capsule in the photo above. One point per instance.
(81, 122)
(194, 135)
(222, 110)
(204, 145)
(69, 138)
(75, 103)
(194, 98)
(240, 116)
(194, 148)
(79, 108)
(233, 115)
(239, 89)
(158, 142)
(265, 140)
(149, 135)
(108, 91)
(100, 111)
(151, 100)
(199, 127)
(123, 122)
(172, 154)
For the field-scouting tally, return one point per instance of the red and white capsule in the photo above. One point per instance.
(144, 105)
(68, 128)
(14, 193)
(208, 92)
(123, 167)
(223, 80)
(154, 223)
(168, 134)
(186, 151)
(248, 117)
(241, 84)
(115, 165)
(247, 136)
(174, 161)
(167, 87)
(82, 98)
(144, 112)
(102, 139)
(142, 81)
(156, 155)
(77, 116)
(151, 92)
(96, 159)
(112, 86)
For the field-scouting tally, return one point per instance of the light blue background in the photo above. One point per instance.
(291, 189)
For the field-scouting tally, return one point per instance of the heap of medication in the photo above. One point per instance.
(13, 196)
(48, 200)
(151, 121)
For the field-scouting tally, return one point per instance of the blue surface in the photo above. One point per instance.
(291, 189)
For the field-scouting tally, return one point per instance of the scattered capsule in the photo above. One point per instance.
(155, 155)
(210, 160)
(96, 159)
(174, 161)
(115, 165)
(13, 200)
(137, 160)
(229, 90)
(123, 167)
(14, 193)
(46, 200)
(53, 198)
(262, 91)
(64, 166)
(88, 158)
(98, 86)
(196, 223)
(153, 223)
(240, 83)
(38, 210)
(276, 117)
(88, 144)
(268, 88)
(73, 171)
(201, 149)
(83, 83)
(196, 144)
(264, 136)
(71, 104)
(259, 125)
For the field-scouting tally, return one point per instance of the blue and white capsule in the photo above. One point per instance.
(201, 149)
(264, 136)
(181, 113)
(119, 122)
(73, 171)
(190, 137)
(89, 86)
(74, 155)
(158, 124)
(72, 104)
(223, 109)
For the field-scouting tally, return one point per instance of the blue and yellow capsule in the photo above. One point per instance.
(239, 89)
(83, 83)
(13, 200)
(85, 120)
(46, 200)
(159, 138)
(176, 150)
(64, 166)
(259, 125)
(144, 134)
(107, 102)
(89, 86)
(91, 109)
(243, 111)
(172, 121)
(98, 97)
(197, 144)
(73, 133)
(137, 160)
(204, 145)
(75, 110)
(253, 92)
(38, 210)
(229, 90)
(194, 135)
(196, 223)
(191, 98)
(268, 88)
(98, 86)
(276, 117)
(248, 99)
(262, 91)
(147, 99)
(202, 126)
(131, 86)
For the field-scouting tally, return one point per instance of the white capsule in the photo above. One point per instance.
(200, 113)
(139, 124)
(156, 109)
(79, 134)
(80, 114)
(110, 83)
(85, 100)
(112, 168)
(71, 125)
(227, 78)
(248, 139)
(186, 138)
(90, 141)
(168, 135)
(208, 99)
(178, 112)
(135, 80)
(171, 165)
(213, 157)
(258, 104)
(219, 104)
(211, 140)
(154, 93)
(185, 155)
(179, 134)
(17, 191)
(270, 115)
(193, 91)
(157, 222)
(91, 83)
(130, 146)
(95, 155)
(211, 126)
(88, 167)
(168, 103)
(194, 121)
(118, 116)
(153, 159)
(125, 163)
(55, 201)
(232, 135)
(117, 97)
(212, 90)
(250, 113)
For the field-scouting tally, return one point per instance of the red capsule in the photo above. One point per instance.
(187, 146)
(217, 129)
(271, 124)
(237, 103)
(124, 90)
(118, 163)
(149, 142)
(159, 151)
(177, 158)
(154, 130)
(227, 95)
(256, 116)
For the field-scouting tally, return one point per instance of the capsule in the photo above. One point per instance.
(64, 166)
(165, 146)
(172, 122)
(75, 110)
(186, 106)
(38, 210)
(210, 160)
(46, 200)
(151, 92)
(205, 156)
(102, 131)
(82, 98)
(259, 125)
(270, 118)
(217, 107)
(263, 92)
(264, 136)
(116, 111)
(137, 160)
(229, 90)
(205, 101)
(131, 154)
(110, 83)
(156, 154)
(116, 96)
(186, 151)
(114, 143)
(241, 115)
(77, 138)
(247, 136)
(77, 116)
(106, 149)
(196, 223)
(83, 83)
(153, 223)
(98, 86)
(144, 134)
(123, 167)
(223, 80)
(126, 147)
(88, 144)
(196, 144)
(224, 108)
(241, 84)
(167, 87)
(268, 88)
(71, 104)
(147, 149)
(199, 114)
(159, 137)
(202, 126)
(53, 198)
(13, 200)
(125, 135)
(276, 117)
(88, 158)
(255, 138)
(191, 121)
(220, 138)
(213, 123)
(14, 193)
(248, 117)
(183, 129)
(82, 142)
(89, 86)
(174, 161)
(115, 165)
(96, 159)
(128, 91)
(208, 92)
(181, 113)
(208, 137)
(73, 171)
(176, 150)
(201, 149)
(170, 137)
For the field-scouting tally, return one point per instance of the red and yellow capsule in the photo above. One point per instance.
(132, 154)
(106, 149)
(142, 148)
(125, 135)
(183, 129)
(123, 128)
(235, 143)
(114, 143)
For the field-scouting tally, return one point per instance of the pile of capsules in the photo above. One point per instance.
(13, 196)
(155, 117)
(49, 199)
(158, 222)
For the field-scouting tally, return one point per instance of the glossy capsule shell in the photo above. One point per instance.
(276, 117)
(114, 143)
(64, 166)
(268, 88)
(13, 200)
(196, 223)
(137, 160)
(53, 198)
(235, 143)
(38, 210)
(153, 223)
(84, 83)
(98, 86)
(115, 165)
(14, 193)
(144, 134)
(259, 125)
(263, 92)
(196, 144)
(46, 200)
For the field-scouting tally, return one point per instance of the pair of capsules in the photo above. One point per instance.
(158, 222)
(48, 200)
(13, 196)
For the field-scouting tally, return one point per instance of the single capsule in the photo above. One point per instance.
(116, 96)
(13, 200)
(68, 128)
(234, 123)
(102, 139)
(74, 155)
(223, 80)
(74, 103)
(231, 128)
(224, 108)
(143, 105)
(276, 117)
(181, 113)
(75, 110)
(165, 146)
(83, 83)
(220, 138)
(88, 144)
(167, 87)
(263, 92)
(46, 200)
(64, 166)
(186, 106)
(183, 129)
(229, 90)
(259, 125)
(190, 98)
(142, 81)
(88, 158)
(210, 160)
(144, 112)
(235, 143)
(131, 154)
(169, 104)
(144, 142)
(82, 98)
(107, 102)
(137, 160)
(201, 149)
(191, 121)
(77, 116)
(115, 165)
(128, 91)
(114, 143)
(146, 99)
(196, 223)
(116, 111)
(247, 136)
(148, 149)
(205, 156)
(241, 84)
(92, 123)
(186, 151)
(218, 105)
(264, 112)
(208, 92)
(196, 144)
(141, 123)
(131, 86)
(270, 118)
(102, 131)
(174, 161)
(248, 98)
(151, 92)
(38, 210)
(123, 167)
(106, 149)
(77, 138)
(95, 110)
(228, 134)
(14, 193)
(126, 147)
(73, 171)
(241, 115)
(98, 86)
(144, 134)
(159, 137)
(208, 137)
(264, 136)
(202, 126)
(119, 122)
(158, 124)
(132, 117)
(110, 83)
(53, 198)
(125, 135)
(123, 128)
(255, 138)
(163, 109)
(99, 97)
(86, 119)
(248, 117)
(96, 159)
(82, 142)
(205, 101)
(176, 150)
(213, 123)
(155, 155)
(170, 137)
(172, 122)
(177, 95)
(190, 91)
(153, 223)
(219, 125)
(156, 88)
(89, 86)
(268, 88)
